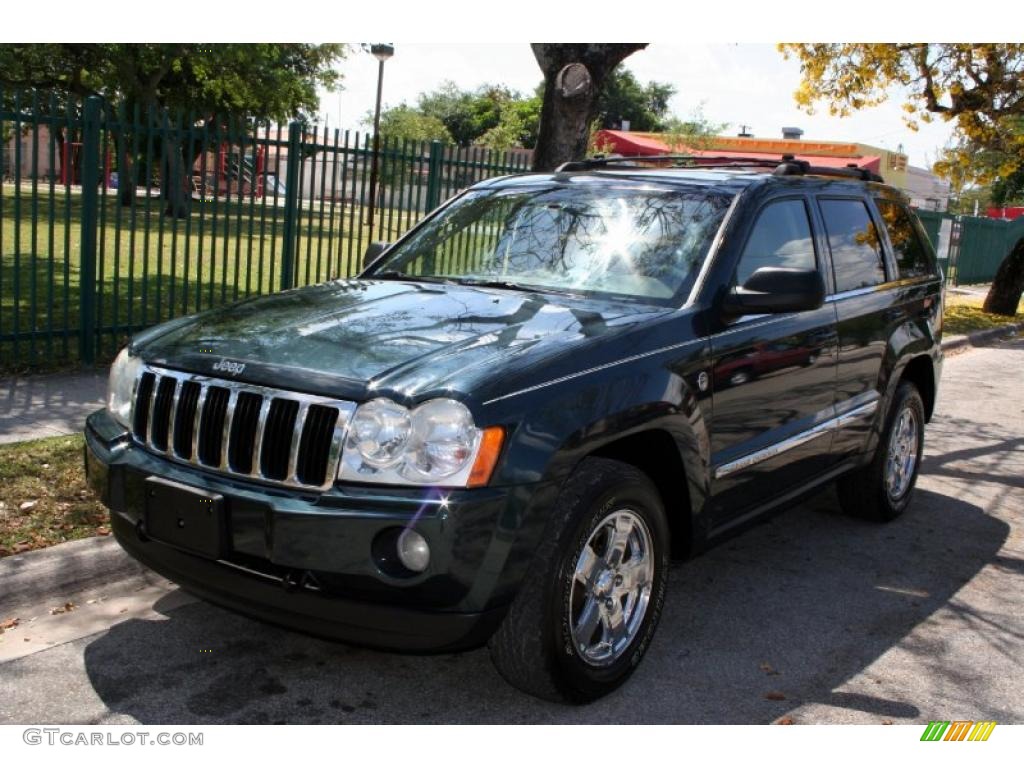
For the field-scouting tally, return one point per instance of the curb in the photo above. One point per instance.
(63, 570)
(978, 337)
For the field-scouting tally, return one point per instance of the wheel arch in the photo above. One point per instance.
(656, 453)
(920, 371)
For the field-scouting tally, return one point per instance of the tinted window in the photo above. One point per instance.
(912, 259)
(856, 250)
(780, 238)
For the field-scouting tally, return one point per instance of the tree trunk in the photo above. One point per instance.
(1004, 295)
(58, 139)
(125, 169)
(574, 75)
(173, 178)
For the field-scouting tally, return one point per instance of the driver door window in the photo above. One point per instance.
(781, 237)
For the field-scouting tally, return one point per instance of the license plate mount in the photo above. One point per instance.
(185, 517)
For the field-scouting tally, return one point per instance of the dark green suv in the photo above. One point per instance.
(503, 429)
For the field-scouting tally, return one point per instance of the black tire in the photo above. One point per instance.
(534, 648)
(864, 493)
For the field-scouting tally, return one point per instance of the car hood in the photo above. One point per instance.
(398, 335)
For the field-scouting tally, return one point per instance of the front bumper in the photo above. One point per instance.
(306, 560)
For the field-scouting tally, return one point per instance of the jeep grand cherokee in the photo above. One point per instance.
(503, 428)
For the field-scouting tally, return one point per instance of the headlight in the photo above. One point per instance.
(379, 433)
(435, 443)
(123, 374)
(444, 439)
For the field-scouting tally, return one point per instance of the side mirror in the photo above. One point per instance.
(373, 251)
(776, 290)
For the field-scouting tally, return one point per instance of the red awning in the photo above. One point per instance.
(630, 144)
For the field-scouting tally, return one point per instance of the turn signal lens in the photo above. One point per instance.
(487, 457)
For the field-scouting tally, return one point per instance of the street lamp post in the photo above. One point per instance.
(382, 52)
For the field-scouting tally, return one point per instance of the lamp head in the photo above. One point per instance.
(382, 51)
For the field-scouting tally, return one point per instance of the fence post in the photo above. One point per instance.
(90, 211)
(291, 205)
(434, 175)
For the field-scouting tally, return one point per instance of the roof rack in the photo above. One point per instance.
(787, 165)
(680, 160)
(790, 166)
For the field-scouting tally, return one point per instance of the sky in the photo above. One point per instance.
(735, 83)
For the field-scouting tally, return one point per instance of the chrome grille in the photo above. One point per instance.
(238, 429)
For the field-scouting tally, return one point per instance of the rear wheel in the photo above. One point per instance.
(882, 490)
(591, 601)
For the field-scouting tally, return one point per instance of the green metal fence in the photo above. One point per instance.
(984, 243)
(89, 254)
(970, 248)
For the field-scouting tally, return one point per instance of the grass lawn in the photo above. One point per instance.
(151, 268)
(964, 315)
(44, 499)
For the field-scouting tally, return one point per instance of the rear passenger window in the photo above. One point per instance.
(912, 258)
(856, 250)
(781, 238)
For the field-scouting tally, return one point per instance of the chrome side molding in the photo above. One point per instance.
(838, 422)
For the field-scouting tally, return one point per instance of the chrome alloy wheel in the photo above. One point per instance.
(611, 587)
(902, 458)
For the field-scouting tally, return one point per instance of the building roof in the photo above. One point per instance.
(820, 153)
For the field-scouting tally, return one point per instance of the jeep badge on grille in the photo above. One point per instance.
(229, 366)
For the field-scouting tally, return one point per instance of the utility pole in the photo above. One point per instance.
(382, 52)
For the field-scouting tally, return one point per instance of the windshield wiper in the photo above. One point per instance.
(483, 282)
(510, 285)
(397, 274)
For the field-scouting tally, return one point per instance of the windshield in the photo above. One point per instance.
(628, 241)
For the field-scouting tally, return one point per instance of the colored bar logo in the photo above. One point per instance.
(958, 730)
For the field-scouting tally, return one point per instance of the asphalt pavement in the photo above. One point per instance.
(808, 616)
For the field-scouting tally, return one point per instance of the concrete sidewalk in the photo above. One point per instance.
(48, 405)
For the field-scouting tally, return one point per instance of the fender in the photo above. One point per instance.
(918, 338)
(557, 429)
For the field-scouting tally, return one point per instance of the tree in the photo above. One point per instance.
(212, 82)
(574, 78)
(694, 132)
(517, 126)
(624, 98)
(492, 116)
(469, 115)
(1009, 190)
(405, 122)
(975, 86)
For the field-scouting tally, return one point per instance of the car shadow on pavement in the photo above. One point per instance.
(782, 615)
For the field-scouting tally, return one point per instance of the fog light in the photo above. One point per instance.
(413, 551)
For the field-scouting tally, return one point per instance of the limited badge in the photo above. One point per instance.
(702, 381)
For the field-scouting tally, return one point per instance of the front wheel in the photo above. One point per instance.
(882, 490)
(592, 598)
